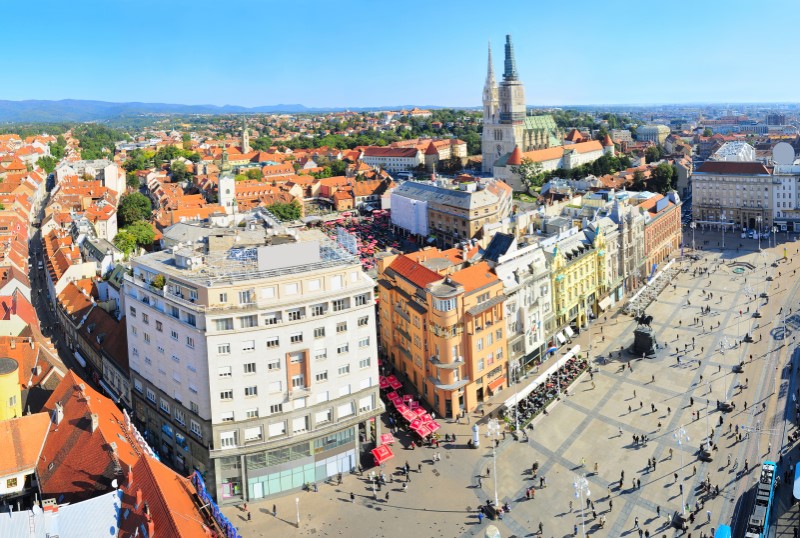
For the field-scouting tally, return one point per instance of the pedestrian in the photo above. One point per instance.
(575, 530)
(386, 496)
(658, 511)
(636, 522)
(488, 471)
(729, 460)
(249, 516)
(480, 517)
(405, 486)
(670, 453)
(676, 477)
(570, 506)
(680, 487)
(275, 508)
(653, 379)
(610, 504)
(708, 516)
(595, 467)
(638, 483)
(541, 528)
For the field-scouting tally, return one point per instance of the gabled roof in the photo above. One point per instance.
(22, 439)
(475, 276)
(417, 274)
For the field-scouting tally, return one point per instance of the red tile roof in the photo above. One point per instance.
(22, 439)
(417, 274)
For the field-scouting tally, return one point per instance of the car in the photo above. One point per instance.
(40, 266)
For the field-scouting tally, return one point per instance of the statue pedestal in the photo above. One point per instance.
(644, 341)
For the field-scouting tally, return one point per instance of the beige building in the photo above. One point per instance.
(739, 192)
(652, 133)
(254, 358)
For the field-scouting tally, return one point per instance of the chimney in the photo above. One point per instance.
(13, 344)
(95, 422)
(138, 498)
(59, 413)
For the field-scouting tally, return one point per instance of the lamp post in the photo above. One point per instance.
(693, 225)
(297, 504)
(581, 486)
(722, 219)
(681, 436)
(774, 236)
(758, 231)
(493, 432)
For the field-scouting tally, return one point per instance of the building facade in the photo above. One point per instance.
(253, 358)
(736, 192)
(652, 133)
(442, 325)
(662, 228)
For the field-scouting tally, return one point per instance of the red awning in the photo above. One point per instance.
(496, 383)
(382, 453)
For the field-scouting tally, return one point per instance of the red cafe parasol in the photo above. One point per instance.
(433, 426)
(423, 431)
(382, 454)
(407, 414)
(387, 439)
(393, 396)
(416, 423)
(420, 411)
(400, 406)
(383, 383)
(395, 384)
(425, 418)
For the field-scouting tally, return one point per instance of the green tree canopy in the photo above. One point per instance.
(286, 212)
(707, 131)
(661, 180)
(125, 241)
(179, 172)
(262, 143)
(134, 207)
(653, 154)
(48, 163)
(142, 232)
(530, 174)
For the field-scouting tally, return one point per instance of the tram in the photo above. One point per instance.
(723, 531)
(758, 523)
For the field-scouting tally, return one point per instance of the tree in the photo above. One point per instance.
(530, 174)
(254, 173)
(131, 180)
(262, 143)
(125, 241)
(179, 172)
(661, 180)
(638, 181)
(707, 132)
(653, 154)
(186, 138)
(134, 207)
(338, 168)
(286, 212)
(48, 163)
(142, 232)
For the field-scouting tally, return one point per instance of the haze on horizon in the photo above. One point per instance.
(370, 54)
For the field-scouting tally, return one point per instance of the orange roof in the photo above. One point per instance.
(516, 157)
(475, 277)
(93, 439)
(170, 500)
(23, 439)
(416, 273)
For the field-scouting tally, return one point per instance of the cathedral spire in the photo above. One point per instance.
(490, 69)
(511, 63)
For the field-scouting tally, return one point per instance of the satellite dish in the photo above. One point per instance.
(783, 153)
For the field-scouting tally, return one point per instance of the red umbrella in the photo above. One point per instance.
(433, 426)
(400, 406)
(416, 423)
(393, 396)
(425, 417)
(395, 384)
(387, 439)
(407, 414)
(420, 411)
(383, 383)
(382, 453)
(423, 431)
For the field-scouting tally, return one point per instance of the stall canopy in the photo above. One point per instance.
(387, 439)
(604, 303)
(796, 490)
(560, 338)
(423, 430)
(433, 425)
(569, 331)
(382, 454)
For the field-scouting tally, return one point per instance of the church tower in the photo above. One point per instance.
(245, 136)
(503, 130)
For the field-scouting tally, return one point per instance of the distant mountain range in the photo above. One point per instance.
(69, 110)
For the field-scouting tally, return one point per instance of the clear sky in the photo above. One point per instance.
(327, 53)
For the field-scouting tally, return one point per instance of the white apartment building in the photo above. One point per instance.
(253, 355)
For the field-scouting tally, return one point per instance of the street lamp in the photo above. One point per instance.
(493, 432)
(774, 236)
(693, 225)
(758, 231)
(681, 436)
(297, 504)
(723, 229)
(581, 486)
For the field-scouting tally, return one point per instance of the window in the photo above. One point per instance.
(444, 305)
(137, 384)
(147, 360)
(364, 342)
(134, 330)
(275, 408)
(173, 311)
(191, 368)
(224, 324)
(11, 483)
(323, 416)
(344, 370)
(319, 332)
(135, 352)
(341, 304)
(227, 439)
(322, 376)
(194, 427)
(151, 395)
(173, 335)
(226, 416)
(363, 321)
(223, 297)
(275, 386)
(277, 429)
(250, 368)
(192, 295)
(362, 299)
(365, 404)
(273, 341)
(224, 349)
(159, 326)
(146, 338)
(180, 417)
(343, 349)
(251, 413)
(252, 434)
(274, 364)
(341, 327)
(345, 410)
(298, 381)
(191, 319)
(313, 285)
(296, 338)
(267, 293)
(320, 354)
(272, 318)
(291, 289)
(318, 310)
(246, 297)
(190, 342)
(132, 311)
(160, 349)
(193, 406)
(249, 345)
(248, 322)
(251, 391)
(295, 314)
(226, 395)
(300, 424)
(364, 363)
(225, 371)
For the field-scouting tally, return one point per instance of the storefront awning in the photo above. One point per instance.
(560, 338)
(80, 359)
(796, 490)
(604, 303)
(111, 392)
(496, 383)
(569, 331)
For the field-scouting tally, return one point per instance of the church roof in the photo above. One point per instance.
(431, 150)
(607, 141)
(516, 157)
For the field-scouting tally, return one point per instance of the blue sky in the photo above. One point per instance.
(372, 53)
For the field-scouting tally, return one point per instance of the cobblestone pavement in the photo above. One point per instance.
(656, 397)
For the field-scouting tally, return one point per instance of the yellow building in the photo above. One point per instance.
(441, 325)
(578, 272)
(10, 395)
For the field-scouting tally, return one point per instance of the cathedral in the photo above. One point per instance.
(505, 122)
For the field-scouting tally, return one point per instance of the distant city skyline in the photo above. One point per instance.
(364, 54)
